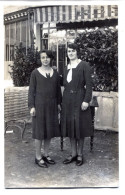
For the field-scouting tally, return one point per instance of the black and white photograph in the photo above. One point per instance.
(61, 94)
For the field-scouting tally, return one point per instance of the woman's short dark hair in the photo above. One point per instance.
(48, 53)
(73, 46)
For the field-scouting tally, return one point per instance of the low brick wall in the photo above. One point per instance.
(16, 103)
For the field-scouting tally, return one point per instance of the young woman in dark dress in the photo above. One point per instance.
(76, 122)
(44, 101)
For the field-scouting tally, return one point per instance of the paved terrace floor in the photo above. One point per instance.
(99, 170)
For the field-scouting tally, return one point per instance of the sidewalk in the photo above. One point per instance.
(100, 168)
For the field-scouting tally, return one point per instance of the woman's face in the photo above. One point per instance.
(45, 60)
(72, 53)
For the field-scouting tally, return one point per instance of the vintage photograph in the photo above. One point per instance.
(61, 95)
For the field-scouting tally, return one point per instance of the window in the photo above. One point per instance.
(14, 34)
(46, 29)
(95, 13)
(7, 42)
(12, 41)
(23, 33)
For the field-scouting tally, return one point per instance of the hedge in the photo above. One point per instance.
(99, 47)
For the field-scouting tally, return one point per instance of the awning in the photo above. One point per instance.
(75, 13)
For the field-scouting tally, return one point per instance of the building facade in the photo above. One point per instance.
(52, 27)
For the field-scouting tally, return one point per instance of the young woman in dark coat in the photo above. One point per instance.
(76, 122)
(44, 100)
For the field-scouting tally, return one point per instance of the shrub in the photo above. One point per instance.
(99, 47)
(23, 65)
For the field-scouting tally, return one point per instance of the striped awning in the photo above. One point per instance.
(75, 13)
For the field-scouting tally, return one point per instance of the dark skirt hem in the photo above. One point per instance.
(33, 137)
(81, 137)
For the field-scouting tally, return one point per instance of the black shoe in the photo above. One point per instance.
(48, 160)
(67, 161)
(79, 162)
(40, 163)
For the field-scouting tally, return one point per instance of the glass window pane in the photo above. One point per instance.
(52, 39)
(61, 58)
(53, 24)
(18, 38)
(44, 44)
(7, 42)
(71, 35)
(11, 52)
(52, 33)
(45, 33)
(27, 31)
(7, 52)
(12, 40)
(12, 34)
(23, 33)
(7, 34)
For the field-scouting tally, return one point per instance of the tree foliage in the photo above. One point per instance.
(23, 64)
(99, 47)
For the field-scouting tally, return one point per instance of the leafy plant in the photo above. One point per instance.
(99, 47)
(23, 64)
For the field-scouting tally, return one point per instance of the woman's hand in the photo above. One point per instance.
(84, 106)
(33, 112)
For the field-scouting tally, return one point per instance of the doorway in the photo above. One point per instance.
(56, 40)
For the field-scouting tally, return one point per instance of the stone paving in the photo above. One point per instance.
(99, 170)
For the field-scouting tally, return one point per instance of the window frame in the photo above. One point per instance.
(7, 56)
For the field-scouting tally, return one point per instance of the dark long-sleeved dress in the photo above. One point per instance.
(76, 123)
(44, 94)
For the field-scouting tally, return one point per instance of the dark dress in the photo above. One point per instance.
(44, 94)
(76, 123)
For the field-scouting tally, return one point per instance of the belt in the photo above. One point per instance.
(74, 91)
(45, 95)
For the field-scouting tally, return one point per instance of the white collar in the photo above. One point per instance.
(45, 72)
(69, 66)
